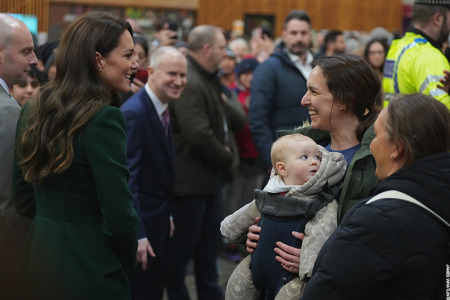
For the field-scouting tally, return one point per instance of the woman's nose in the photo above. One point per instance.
(134, 64)
(305, 99)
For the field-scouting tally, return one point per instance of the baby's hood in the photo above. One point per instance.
(332, 170)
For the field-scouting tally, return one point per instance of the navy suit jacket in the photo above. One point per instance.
(151, 161)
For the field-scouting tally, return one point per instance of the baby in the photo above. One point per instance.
(300, 196)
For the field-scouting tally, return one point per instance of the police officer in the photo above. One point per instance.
(415, 63)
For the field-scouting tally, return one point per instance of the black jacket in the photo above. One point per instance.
(197, 120)
(390, 249)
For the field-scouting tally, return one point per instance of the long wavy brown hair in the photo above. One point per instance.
(65, 105)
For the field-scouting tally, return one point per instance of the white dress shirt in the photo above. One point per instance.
(159, 105)
(304, 68)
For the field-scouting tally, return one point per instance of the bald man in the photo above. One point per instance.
(151, 161)
(16, 58)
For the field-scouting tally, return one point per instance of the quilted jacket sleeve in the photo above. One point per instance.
(317, 231)
(236, 224)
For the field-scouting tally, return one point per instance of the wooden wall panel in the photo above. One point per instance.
(172, 4)
(40, 8)
(362, 15)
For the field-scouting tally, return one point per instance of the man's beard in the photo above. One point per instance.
(295, 51)
(443, 36)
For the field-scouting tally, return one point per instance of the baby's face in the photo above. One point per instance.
(302, 161)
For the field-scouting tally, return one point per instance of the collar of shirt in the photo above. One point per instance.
(304, 68)
(4, 85)
(159, 105)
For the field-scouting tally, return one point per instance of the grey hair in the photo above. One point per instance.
(239, 41)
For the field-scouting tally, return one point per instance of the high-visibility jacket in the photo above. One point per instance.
(414, 65)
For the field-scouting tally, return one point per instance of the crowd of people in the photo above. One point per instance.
(124, 159)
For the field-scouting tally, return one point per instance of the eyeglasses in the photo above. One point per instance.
(380, 52)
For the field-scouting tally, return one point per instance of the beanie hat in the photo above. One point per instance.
(247, 65)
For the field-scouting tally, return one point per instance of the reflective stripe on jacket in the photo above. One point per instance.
(414, 65)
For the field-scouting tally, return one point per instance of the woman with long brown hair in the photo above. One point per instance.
(70, 173)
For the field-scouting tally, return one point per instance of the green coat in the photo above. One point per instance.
(360, 177)
(83, 238)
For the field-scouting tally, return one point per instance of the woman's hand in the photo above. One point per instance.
(288, 256)
(253, 236)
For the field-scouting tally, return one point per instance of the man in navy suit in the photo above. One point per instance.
(151, 161)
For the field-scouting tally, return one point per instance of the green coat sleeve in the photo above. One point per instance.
(106, 152)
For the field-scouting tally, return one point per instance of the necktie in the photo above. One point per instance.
(166, 120)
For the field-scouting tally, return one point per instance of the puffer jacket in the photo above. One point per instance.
(277, 89)
(390, 249)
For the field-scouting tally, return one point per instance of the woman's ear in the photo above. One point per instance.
(281, 169)
(99, 60)
(398, 151)
(342, 106)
